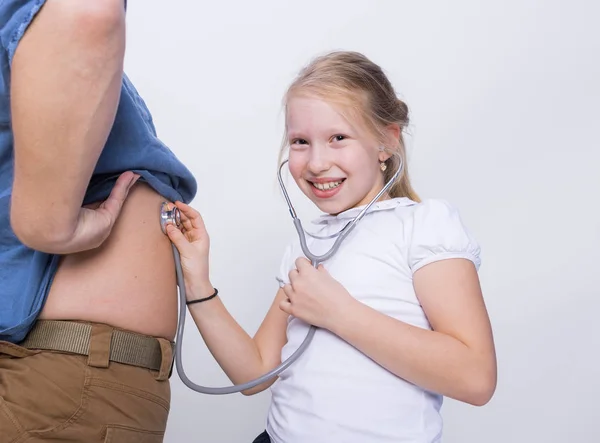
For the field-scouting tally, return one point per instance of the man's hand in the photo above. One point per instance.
(94, 225)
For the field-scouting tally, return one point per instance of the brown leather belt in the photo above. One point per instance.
(74, 337)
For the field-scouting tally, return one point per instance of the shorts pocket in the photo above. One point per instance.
(125, 434)
(9, 425)
(130, 391)
(44, 393)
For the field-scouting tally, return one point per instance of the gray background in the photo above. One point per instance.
(504, 99)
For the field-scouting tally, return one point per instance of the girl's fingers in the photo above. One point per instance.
(289, 292)
(286, 306)
(293, 274)
(178, 239)
(190, 216)
(187, 223)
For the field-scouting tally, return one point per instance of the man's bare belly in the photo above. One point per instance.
(129, 282)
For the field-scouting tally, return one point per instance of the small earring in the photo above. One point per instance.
(383, 166)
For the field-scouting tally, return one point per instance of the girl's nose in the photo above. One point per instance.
(319, 160)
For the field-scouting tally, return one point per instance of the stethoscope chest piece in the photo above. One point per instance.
(169, 216)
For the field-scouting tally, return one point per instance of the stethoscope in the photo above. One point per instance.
(168, 215)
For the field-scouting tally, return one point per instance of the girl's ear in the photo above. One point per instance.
(393, 132)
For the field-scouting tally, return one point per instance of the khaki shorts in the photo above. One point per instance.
(83, 394)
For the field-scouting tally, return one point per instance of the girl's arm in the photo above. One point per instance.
(241, 357)
(457, 359)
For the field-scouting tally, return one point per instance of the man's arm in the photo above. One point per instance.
(65, 85)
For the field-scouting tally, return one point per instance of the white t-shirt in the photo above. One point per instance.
(334, 393)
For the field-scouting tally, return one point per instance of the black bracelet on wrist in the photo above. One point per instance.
(200, 300)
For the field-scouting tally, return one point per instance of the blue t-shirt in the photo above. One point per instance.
(25, 274)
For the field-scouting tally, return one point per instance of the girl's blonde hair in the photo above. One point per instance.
(363, 94)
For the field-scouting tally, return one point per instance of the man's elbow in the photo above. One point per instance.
(100, 17)
(40, 234)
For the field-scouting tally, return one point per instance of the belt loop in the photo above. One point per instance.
(100, 341)
(166, 350)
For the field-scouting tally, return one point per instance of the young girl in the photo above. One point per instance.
(400, 315)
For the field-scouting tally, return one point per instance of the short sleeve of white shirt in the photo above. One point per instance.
(438, 233)
(433, 230)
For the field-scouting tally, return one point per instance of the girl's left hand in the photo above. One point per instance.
(313, 295)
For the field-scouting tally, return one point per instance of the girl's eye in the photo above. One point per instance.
(338, 138)
(299, 141)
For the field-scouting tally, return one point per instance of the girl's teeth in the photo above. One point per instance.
(327, 186)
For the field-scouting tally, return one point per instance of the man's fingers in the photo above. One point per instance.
(118, 194)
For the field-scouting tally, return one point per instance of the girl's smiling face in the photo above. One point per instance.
(335, 164)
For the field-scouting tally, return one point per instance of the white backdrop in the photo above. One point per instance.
(505, 107)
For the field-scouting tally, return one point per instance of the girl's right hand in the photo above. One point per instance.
(193, 244)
